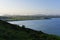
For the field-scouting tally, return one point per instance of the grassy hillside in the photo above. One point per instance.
(15, 32)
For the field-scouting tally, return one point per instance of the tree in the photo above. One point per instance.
(23, 26)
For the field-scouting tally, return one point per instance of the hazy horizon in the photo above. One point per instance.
(29, 7)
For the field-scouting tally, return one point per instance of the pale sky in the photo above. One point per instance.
(29, 7)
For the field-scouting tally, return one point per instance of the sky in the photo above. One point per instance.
(29, 7)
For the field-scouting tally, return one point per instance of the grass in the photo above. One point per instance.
(14, 32)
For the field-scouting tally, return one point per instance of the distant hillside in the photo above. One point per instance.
(27, 17)
(14, 32)
(12, 18)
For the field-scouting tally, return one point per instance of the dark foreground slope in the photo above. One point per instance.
(14, 32)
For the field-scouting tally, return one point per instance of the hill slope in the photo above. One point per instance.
(15, 32)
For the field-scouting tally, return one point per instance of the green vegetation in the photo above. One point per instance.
(29, 18)
(14, 32)
(14, 18)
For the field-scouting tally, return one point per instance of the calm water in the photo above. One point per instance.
(50, 26)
